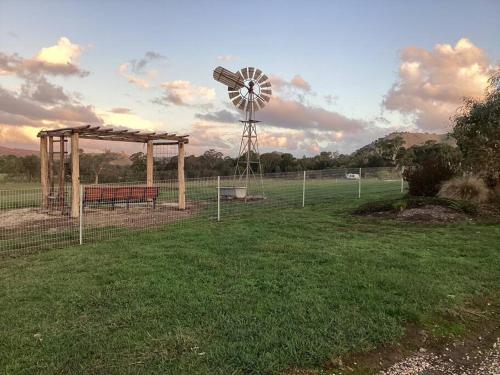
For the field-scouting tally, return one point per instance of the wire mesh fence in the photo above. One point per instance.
(30, 222)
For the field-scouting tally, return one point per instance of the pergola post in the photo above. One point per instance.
(51, 164)
(180, 176)
(75, 176)
(44, 171)
(149, 164)
(62, 153)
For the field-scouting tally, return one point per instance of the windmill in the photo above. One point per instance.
(250, 90)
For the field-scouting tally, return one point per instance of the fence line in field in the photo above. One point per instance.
(112, 209)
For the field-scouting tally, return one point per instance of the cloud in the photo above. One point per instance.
(121, 110)
(296, 83)
(300, 83)
(128, 120)
(135, 73)
(227, 58)
(60, 59)
(205, 135)
(138, 65)
(291, 114)
(124, 68)
(184, 93)
(223, 116)
(64, 52)
(15, 107)
(431, 84)
(42, 91)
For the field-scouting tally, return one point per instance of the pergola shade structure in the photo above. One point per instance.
(61, 135)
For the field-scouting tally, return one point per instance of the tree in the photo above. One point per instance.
(138, 167)
(477, 132)
(97, 163)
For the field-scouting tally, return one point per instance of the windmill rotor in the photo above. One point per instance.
(249, 89)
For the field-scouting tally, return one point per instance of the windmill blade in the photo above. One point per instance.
(266, 84)
(266, 92)
(251, 71)
(261, 103)
(244, 73)
(263, 79)
(233, 94)
(265, 97)
(242, 104)
(257, 74)
(237, 101)
(228, 78)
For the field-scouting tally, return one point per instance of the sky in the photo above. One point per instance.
(343, 72)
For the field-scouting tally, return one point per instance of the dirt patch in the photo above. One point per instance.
(431, 214)
(139, 216)
(21, 216)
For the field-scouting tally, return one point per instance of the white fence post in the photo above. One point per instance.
(402, 180)
(81, 215)
(304, 190)
(218, 198)
(359, 184)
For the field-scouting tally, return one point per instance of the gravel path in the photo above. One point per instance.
(476, 360)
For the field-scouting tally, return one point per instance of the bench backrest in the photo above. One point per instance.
(120, 193)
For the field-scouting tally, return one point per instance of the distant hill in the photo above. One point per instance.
(412, 139)
(17, 151)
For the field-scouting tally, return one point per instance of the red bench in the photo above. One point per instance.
(120, 194)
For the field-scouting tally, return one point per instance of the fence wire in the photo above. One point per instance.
(30, 223)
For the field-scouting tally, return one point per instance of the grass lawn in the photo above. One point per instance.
(257, 294)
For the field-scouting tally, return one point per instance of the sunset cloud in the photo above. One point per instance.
(291, 114)
(297, 82)
(63, 53)
(60, 59)
(184, 93)
(223, 115)
(124, 71)
(431, 84)
(227, 58)
(135, 72)
(17, 107)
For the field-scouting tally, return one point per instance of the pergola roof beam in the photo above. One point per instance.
(124, 135)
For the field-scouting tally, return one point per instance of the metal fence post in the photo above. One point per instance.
(218, 198)
(304, 190)
(81, 215)
(359, 184)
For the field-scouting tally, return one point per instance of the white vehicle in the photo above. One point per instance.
(352, 176)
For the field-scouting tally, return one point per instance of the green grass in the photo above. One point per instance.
(257, 294)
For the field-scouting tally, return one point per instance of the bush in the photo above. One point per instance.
(468, 188)
(433, 163)
(426, 179)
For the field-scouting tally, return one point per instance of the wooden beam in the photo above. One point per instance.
(180, 177)
(51, 165)
(62, 170)
(96, 132)
(44, 172)
(149, 164)
(75, 176)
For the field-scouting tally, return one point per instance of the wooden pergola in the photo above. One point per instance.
(50, 137)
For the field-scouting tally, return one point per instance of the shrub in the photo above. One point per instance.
(425, 179)
(468, 188)
(432, 164)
